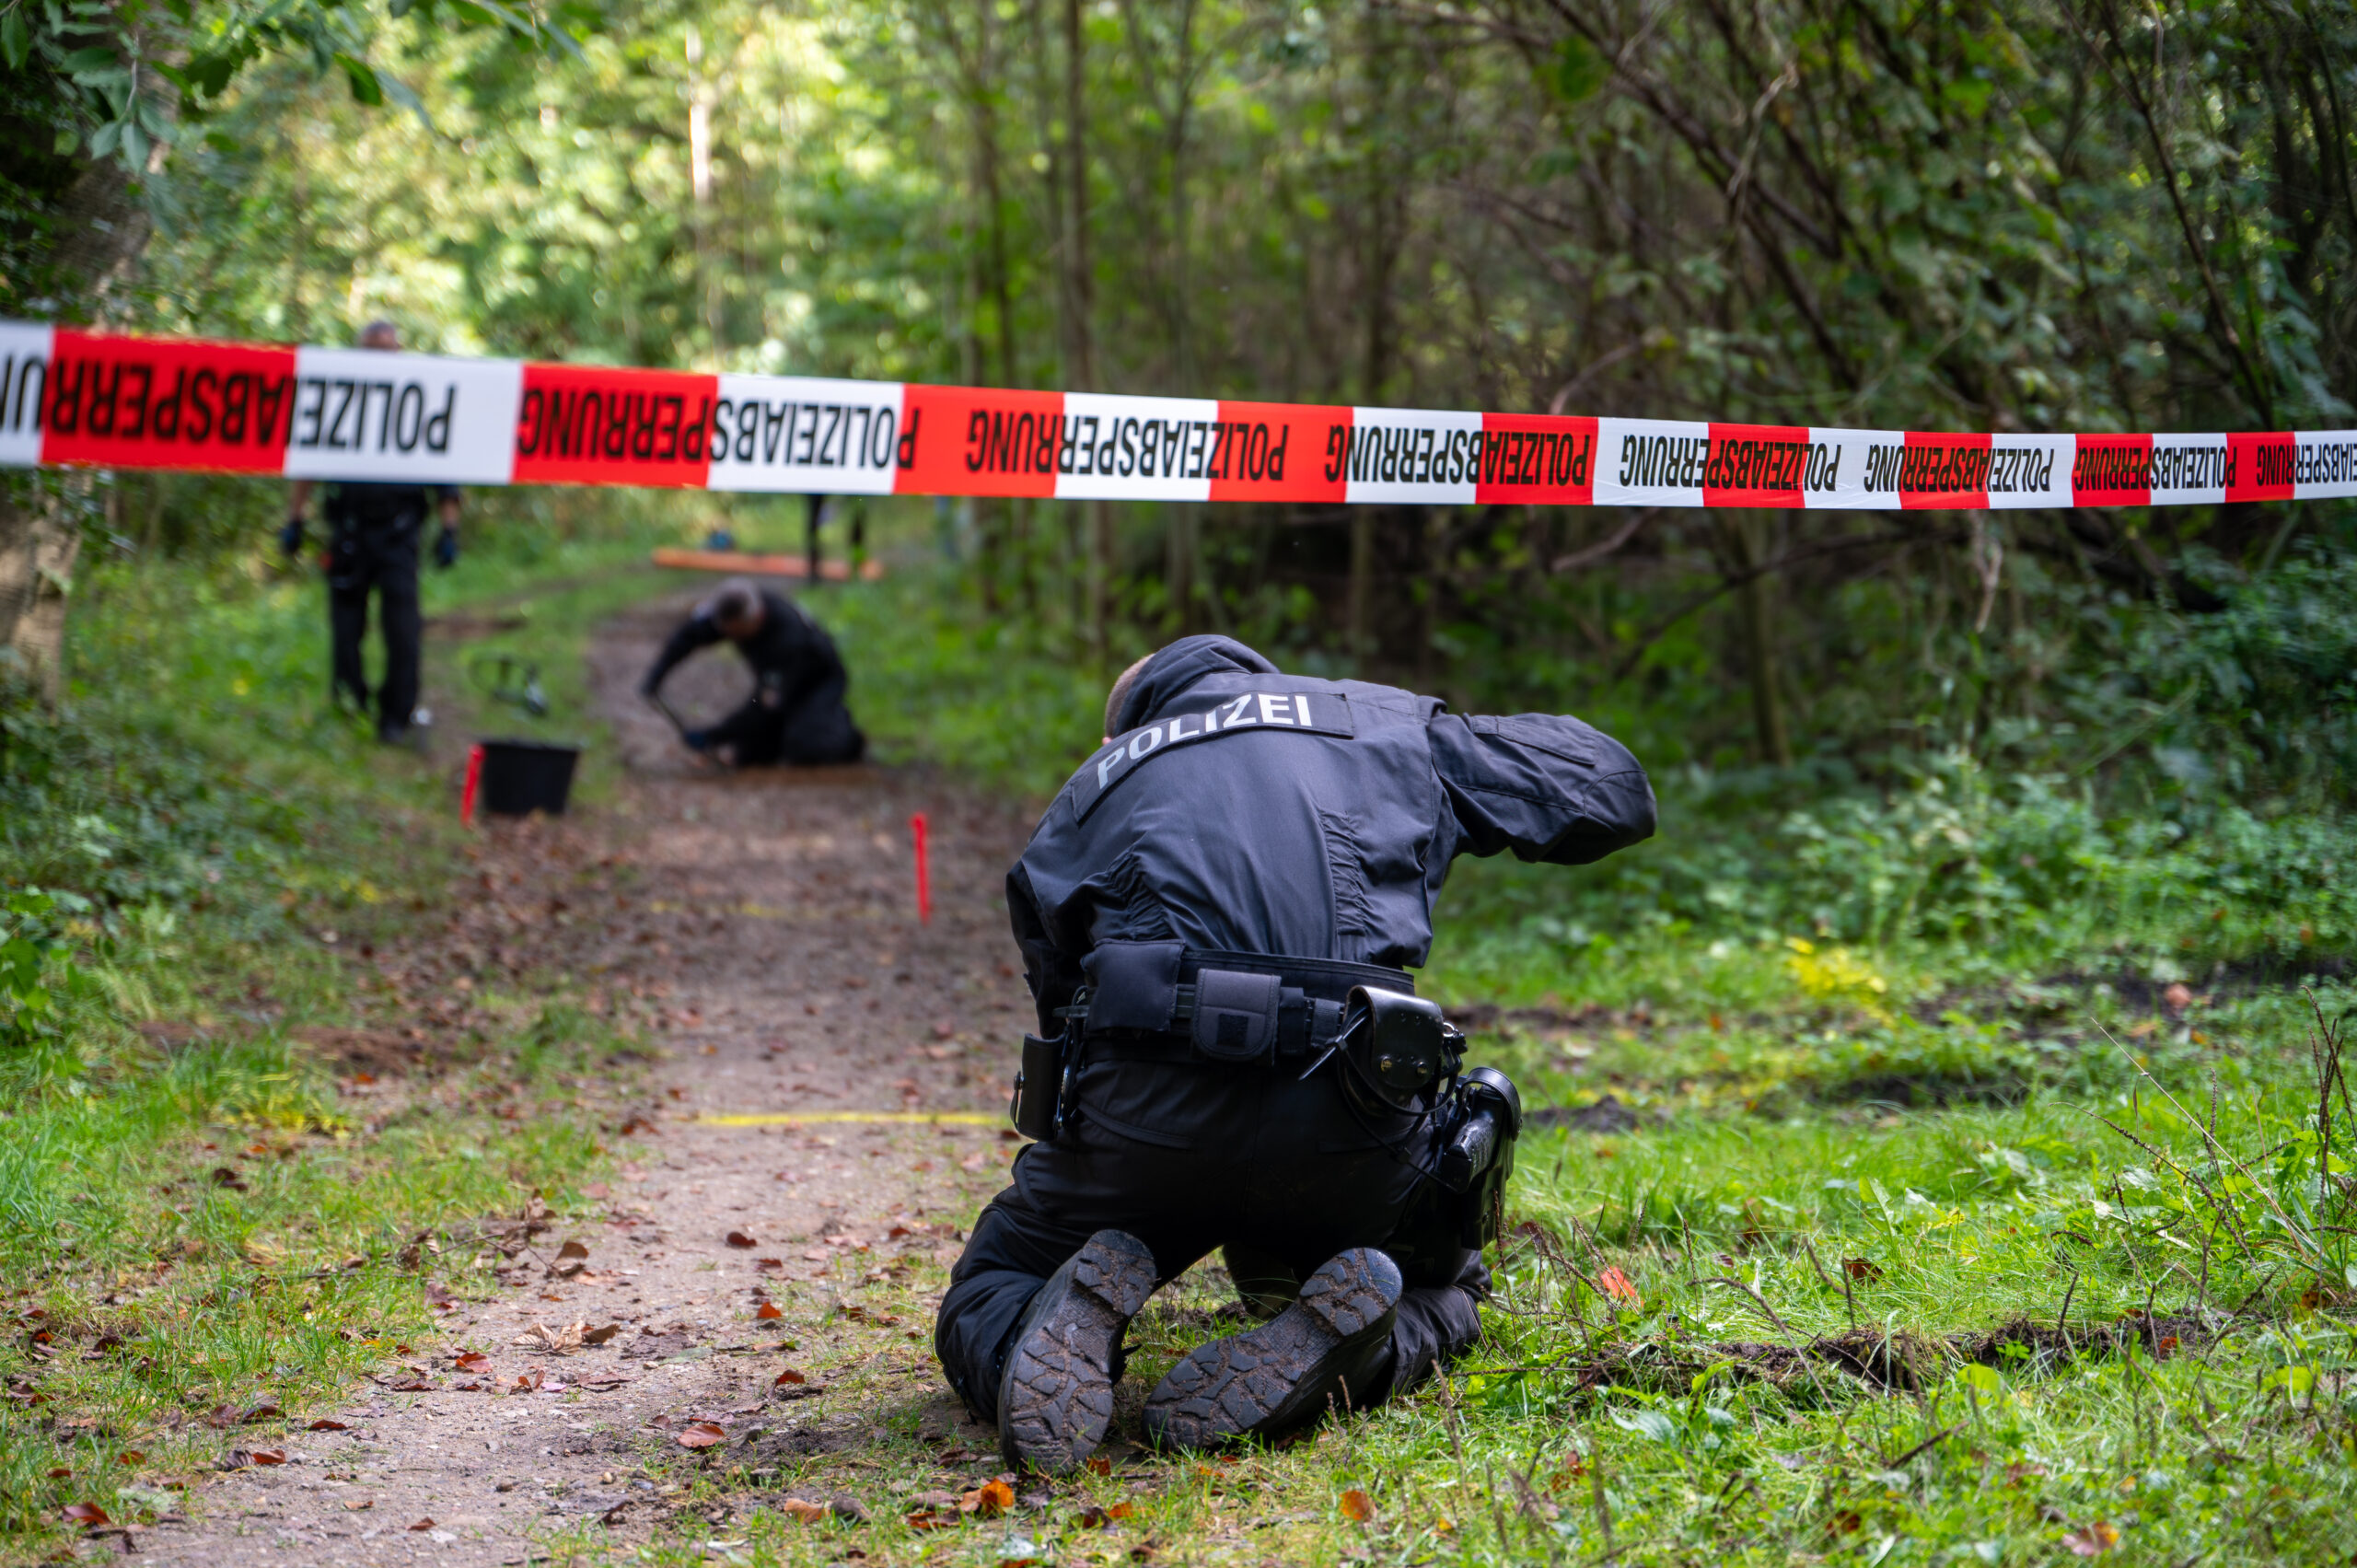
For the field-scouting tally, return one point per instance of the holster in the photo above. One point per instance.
(1037, 1107)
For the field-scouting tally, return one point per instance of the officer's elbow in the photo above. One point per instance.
(1630, 813)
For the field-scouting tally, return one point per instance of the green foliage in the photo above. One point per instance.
(190, 1213)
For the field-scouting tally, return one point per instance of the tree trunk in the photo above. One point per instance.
(38, 546)
(1746, 537)
(1080, 290)
(1178, 570)
(1362, 609)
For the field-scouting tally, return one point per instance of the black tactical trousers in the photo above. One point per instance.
(382, 557)
(1190, 1157)
(818, 730)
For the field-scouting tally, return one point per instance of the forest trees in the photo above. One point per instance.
(1928, 214)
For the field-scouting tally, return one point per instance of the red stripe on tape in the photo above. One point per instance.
(593, 425)
(148, 402)
(2259, 465)
(1755, 465)
(1541, 458)
(979, 441)
(1943, 470)
(1279, 452)
(2112, 471)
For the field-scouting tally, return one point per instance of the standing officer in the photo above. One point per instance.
(1216, 914)
(797, 713)
(373, 532)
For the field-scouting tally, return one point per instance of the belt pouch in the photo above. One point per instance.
(1033, 1110)
(1236, 1014)
(1133, 985)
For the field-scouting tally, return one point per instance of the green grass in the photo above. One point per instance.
(1887, 1028)
(198, 1214)
(1872, 1043)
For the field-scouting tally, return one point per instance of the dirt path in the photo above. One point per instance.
(768, 922)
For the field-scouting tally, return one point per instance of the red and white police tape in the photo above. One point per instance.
(99, 401)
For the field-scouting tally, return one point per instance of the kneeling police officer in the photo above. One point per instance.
(1217, 914)
(797, 713)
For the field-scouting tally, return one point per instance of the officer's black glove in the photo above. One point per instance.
(290, 538)
(446, 547)
(696, 739)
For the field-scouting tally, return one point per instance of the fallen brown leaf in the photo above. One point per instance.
(788, 1378)
(131, 1456)
(740, 1239)
(471, 1361)
(88, 1514)
(1355, 1505)
(988, 1501)
(268, 1456)
(1861, 1267)
(767, 1309)
(808, 1512)
(599, 1336)
(553, 1341)
(2094, 1540)
(424, 1524)
(1099, 1465)
(703, 1435)
(359, 1504)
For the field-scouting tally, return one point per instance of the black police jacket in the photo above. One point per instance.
(793, 661)
(1255, 812)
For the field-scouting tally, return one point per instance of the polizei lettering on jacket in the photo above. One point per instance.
(1302, 713)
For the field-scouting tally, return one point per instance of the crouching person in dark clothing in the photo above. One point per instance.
(1218, 913)
(796, 712)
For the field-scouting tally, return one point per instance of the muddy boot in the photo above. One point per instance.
(1055, 1399)
(1331, 1346)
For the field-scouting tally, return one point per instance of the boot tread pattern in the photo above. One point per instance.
(1059, 1393)
(1249, 1381)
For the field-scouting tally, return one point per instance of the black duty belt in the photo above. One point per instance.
(1166, 1002)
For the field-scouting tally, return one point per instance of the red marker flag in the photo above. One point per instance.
(924, 877)
(475, 779)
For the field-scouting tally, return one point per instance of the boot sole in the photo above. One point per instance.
(1269, 1378)
(1057, 1400)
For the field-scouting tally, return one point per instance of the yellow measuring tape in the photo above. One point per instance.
(905, 1118)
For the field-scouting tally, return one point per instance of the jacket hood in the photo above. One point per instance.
(1169, 673)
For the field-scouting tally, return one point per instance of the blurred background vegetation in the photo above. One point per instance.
(1946, 727)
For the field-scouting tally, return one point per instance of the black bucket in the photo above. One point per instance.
(520, 777)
